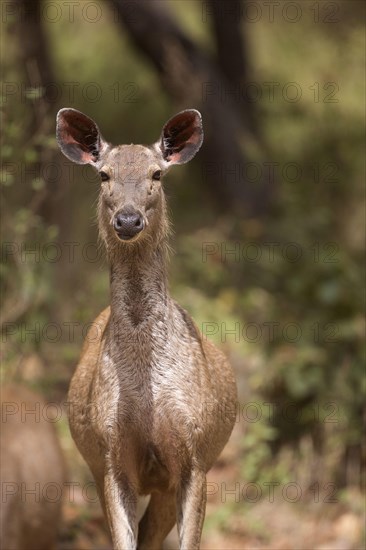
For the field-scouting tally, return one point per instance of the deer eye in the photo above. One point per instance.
(157, 175)
(104, 176)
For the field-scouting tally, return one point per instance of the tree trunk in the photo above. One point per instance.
(192, 79)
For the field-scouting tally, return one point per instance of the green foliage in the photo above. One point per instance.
(317, 293)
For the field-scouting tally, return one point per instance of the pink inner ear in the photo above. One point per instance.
(70, 143)
(79, 136)
(87, 157)
(175, 157)
(196, 136)
(182, 137)
(68, 139)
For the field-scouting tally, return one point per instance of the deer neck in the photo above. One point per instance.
(138, 282)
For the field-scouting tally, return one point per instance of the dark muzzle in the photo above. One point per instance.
(128, 223)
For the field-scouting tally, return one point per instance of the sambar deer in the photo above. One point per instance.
(32, 472)
(152, 402)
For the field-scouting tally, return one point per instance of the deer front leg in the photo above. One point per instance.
(191, 507)
(120, 503)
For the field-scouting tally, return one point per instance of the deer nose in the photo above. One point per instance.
(127, 224)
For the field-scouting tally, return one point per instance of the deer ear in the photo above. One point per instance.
(181, 137)
(78, 137)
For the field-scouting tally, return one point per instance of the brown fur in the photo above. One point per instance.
(153, 404)
(31, 462)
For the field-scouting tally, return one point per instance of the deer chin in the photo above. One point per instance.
(127, 238)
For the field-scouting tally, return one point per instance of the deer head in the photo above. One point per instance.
(131, 202)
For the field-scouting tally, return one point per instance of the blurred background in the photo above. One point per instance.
(268, 235)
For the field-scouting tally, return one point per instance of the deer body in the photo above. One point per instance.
(152, 403)
(31, 466)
